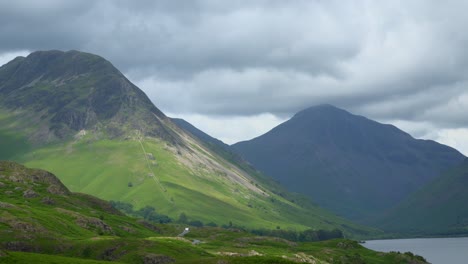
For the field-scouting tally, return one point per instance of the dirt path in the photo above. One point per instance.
(153, 175)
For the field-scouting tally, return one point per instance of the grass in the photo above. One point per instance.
(106, 167)
(24, 257)
(78, 228)
(12, 143)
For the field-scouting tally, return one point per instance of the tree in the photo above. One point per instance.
(212, 224)
(183, 219)
(146, 212)
(196, 223)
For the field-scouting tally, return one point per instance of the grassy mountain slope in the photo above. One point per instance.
(352, 165)
(41, 221)
(101, 135)
(437, 208)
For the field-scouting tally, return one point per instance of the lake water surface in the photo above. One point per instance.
(434, 250)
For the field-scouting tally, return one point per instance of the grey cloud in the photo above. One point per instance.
(179, 39)
(388, 60)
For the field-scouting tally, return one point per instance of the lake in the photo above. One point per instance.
(434, 250)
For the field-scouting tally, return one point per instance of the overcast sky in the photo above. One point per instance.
(236, 69)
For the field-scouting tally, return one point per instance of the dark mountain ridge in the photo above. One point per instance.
(347, 163)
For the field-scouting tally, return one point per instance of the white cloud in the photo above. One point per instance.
(456, 138)
(8, 56)
(232, 129)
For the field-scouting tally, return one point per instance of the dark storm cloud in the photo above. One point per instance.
(389, 60)
(174, 38)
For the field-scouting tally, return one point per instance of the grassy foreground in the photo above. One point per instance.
(41, 221)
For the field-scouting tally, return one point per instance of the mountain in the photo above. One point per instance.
(211, 141)
(76, 115)
(223, 150)
(437, 208)
(73, 91)
(41, 221)
(349, 164)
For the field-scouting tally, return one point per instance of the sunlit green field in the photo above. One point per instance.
(106, 168)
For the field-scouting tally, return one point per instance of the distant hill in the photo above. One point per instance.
(74, 114)
(438, 208)
(349, 164)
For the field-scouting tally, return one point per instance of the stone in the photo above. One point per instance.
(30, 194)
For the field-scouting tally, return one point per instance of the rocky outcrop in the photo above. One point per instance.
(20, 174)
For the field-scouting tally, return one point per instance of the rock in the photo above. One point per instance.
(14, 179)
(348, 244)
(254, 253)
(150, 226)
(157, 259)
(112, 253)
(27, 227)
(47, 200)
(8, 192)
(6, 205)
(30, 194)
(2, 184)
(150, 156)
(19, 246)
(18, 188)
(57, 190)
(94, 223)
(128, 229)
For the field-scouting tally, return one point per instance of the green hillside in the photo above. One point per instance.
(101, 135)
(41, 221)
(439, 208)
